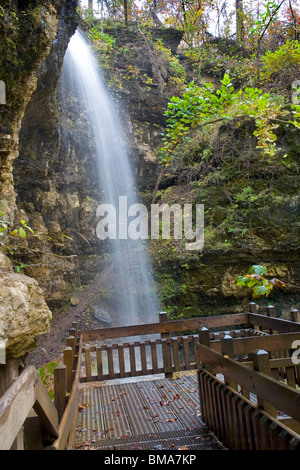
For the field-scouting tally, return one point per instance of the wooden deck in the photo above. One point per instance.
(110, 396)
(149, 414)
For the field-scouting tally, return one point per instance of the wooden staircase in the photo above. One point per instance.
(247, 387)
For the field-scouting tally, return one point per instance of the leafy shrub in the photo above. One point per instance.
(282, 66)
(256, 281)
(203, 105)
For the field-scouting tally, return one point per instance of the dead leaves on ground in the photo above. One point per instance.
(167, 401)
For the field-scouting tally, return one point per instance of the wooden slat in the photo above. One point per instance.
(290, 376)
(132, 359)
(175, 354)
(99, 362)
(110, 361)
(165, 356)
(143, 358)
(186, 352)
(154, 357)
(121, 360)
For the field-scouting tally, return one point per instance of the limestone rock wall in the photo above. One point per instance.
(29, 31)
(24, 313)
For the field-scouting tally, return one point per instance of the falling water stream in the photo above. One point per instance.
(137, 301)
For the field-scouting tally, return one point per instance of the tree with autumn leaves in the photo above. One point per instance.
(250, 23)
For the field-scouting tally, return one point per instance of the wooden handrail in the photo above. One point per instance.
(166, 327)
(279, 324)
(25, 393)
(269, 343)
(284, 326)
(69, 415)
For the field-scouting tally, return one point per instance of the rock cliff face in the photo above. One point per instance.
(24, 313)
(29, 31)
(56, 175)
(49, 179)
(251, 216)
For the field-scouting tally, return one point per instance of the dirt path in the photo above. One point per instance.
(49, 347)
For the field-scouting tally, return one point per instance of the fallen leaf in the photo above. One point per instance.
(83, 444)
(83, 406)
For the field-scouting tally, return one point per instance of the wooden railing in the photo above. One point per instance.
(248, 383)
(29, 419)
(26, 393)
(247, 378)
(239, 423)
(244, 409)
(167, 354)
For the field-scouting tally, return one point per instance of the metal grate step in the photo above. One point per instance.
(196, 439)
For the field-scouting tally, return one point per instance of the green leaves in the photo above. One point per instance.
(201, 106)
(256, 281)
(257, 269)
(21, 230)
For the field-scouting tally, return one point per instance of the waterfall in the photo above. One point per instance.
(136, 296)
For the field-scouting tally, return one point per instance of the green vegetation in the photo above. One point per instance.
(256, 281)
(201, 106)
(46, 374)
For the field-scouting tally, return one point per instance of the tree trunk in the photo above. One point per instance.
(239, 20)
(126, 12)
(160, 175)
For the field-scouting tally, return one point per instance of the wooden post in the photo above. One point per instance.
(72, 332)
(271, 313)
(295, 315)
(227, 350)
(261, 363)
(75, 327)
(163, 316)
(68, 362)
(203, 339)
(253, 308)
(204, 336)
(71, 343)
(60, 389)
